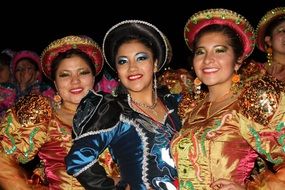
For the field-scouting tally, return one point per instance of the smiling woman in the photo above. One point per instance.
(239, 121)
(136, 123)
(71, 63)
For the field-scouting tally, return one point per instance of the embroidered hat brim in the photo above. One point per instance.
(224, 17)
(264, 23)
(86, 45)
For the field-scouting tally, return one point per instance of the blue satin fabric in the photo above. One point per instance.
(139, 146)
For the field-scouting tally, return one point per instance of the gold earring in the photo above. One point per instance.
(197, 89)
(235, 82)
(57, 101)
(269, 56)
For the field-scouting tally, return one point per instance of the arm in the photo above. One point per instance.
(95, 126)
(20, 141)
(82, 160)
(95, 178)
(263, 126)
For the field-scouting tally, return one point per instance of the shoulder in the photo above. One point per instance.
(33, 109)
(252, 70)
(260, 98)
(98, 111)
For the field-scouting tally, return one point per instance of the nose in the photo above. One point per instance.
(132, 65)
(75, 79)
(209, 58)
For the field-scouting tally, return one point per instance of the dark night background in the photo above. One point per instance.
(33, 25)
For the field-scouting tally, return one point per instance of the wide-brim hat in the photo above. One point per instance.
(85, 44)
(227, 17)
(140, 28)
(264, 23)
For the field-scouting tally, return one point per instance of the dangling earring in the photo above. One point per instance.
(269, 56)
(57, 101)
(235, 82)
(197, 89)
(155, 86)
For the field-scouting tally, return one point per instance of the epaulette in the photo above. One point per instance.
(260, 98)
(33, 109)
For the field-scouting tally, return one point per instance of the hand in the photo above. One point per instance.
(224, 184)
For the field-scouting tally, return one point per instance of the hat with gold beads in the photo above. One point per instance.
(265, 24)
(85, 44)
(227, 17)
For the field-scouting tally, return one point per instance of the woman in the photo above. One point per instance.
(270, 40)
(230, 126)
(28, 75)
(137, 123)
(71, 63)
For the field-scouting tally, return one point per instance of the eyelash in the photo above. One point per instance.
(81, 73)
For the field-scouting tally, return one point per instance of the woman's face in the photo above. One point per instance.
(135, 66)
(277, 42)
(4, 73)
(73, 79)
(25, 73)
(214, 59)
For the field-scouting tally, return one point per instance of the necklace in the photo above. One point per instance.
(140, 104)
(145, 105)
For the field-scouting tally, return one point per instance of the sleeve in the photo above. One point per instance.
(82, 159)
(11, 172)
(22, 132)
(262, 123)
(96, 132)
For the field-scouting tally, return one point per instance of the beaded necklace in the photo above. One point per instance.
(140, 104)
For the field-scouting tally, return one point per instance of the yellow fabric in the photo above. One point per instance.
(25, 135)
(218, 141)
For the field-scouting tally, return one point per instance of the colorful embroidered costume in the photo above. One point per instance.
(37, 126)
(226, 143)
(139, 145)
(232, 124)
(32, 128)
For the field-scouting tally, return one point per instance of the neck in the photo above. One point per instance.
(69, 108)
(278, 59)
(219, 94)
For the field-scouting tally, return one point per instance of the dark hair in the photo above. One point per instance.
(235, 41)
(273, 24)
(5, 59)
(142, 31)
(68, 54)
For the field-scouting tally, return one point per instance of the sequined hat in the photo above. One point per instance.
(263, 24)
(230, 18)
(140, 28)
(85, 44)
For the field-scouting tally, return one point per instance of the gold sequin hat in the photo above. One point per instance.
(263, 24)
(230, 18)
(85, 44)
(140, 28)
